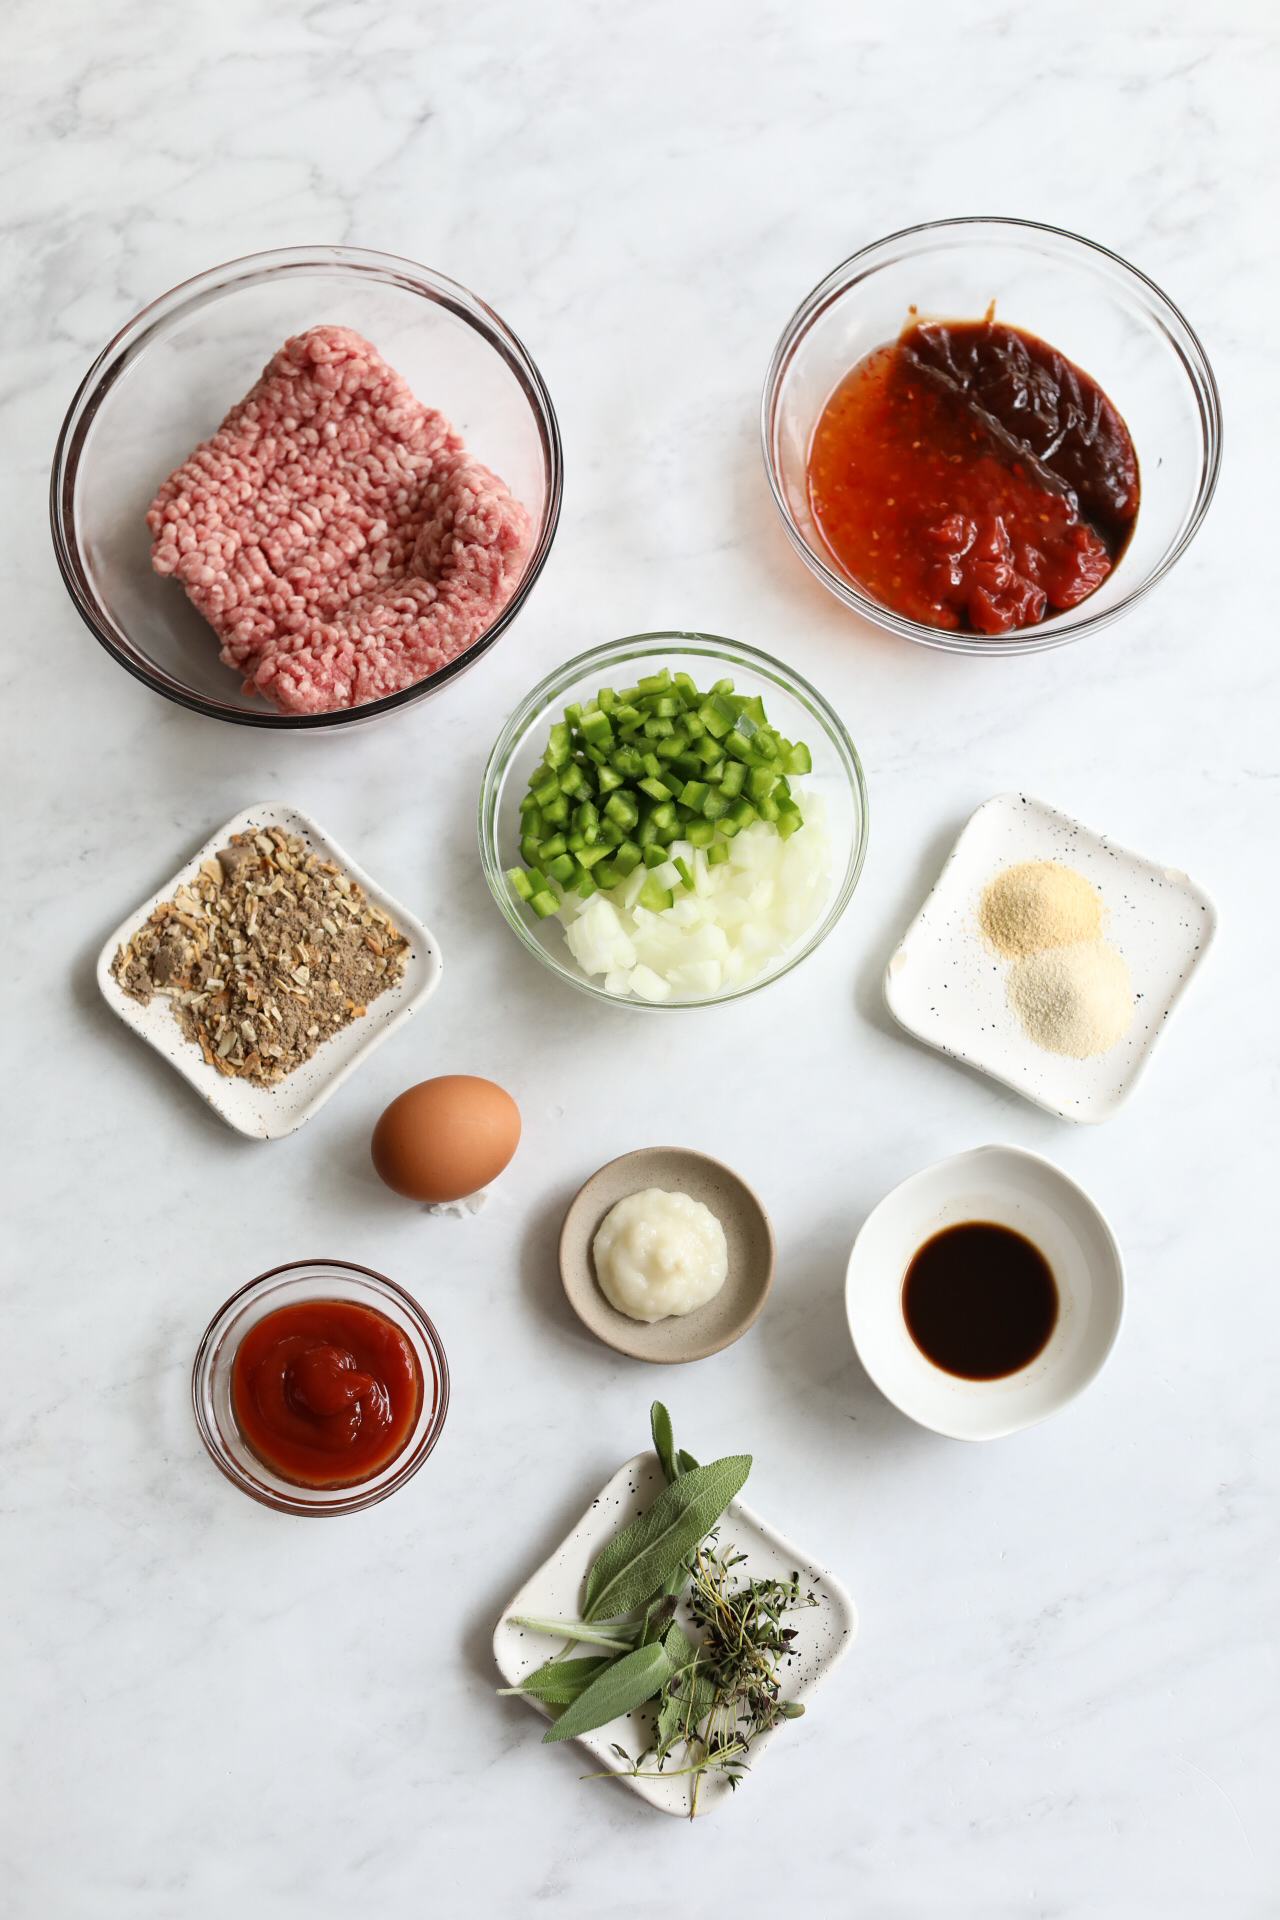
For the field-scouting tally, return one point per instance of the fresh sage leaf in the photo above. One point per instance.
(559, 1683)
(625, 1685)
(680, 1650)
(657, 1618)
(620, 1639)
(664, 1440)
(686, 1461)
(632, 1568)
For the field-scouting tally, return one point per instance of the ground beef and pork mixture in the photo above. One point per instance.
(335, 533)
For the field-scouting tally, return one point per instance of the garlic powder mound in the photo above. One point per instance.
(1073, 1000)
(1035, 905)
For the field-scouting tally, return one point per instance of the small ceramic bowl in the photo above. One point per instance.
(292, 1286)
(1011, 1188)
(747, 1229)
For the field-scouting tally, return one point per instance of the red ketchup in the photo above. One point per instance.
(326, 1393)
(969, 476)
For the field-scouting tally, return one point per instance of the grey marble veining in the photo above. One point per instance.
(1064, 1693)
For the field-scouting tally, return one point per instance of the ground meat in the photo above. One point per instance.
(335, 533)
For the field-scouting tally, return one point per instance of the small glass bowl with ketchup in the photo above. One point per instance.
(320, 1387)
(989, 435)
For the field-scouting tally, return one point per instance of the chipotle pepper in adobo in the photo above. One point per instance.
(969, 476)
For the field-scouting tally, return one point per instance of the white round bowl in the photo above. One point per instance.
(1010, 1188)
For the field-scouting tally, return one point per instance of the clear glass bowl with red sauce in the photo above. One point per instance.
(320, 1387)
(1090, 307)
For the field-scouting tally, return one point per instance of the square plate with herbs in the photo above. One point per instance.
(267, 1112)
(823, 1624)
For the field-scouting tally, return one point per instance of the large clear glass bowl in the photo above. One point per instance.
(1092, 306)
(795, 708)
(166, 381)
(296, 1285)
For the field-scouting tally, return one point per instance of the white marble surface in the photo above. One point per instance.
(1064, 1695)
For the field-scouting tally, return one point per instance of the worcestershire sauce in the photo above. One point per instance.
(979, 1300)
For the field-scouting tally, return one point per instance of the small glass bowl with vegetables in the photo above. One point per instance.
(673, 819)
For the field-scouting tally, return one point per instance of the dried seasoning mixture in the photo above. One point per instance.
(267, 954)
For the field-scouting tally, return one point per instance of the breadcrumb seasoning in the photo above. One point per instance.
(267, 954)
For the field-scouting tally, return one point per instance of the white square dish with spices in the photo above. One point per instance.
(263, 1071)
(1067, 1036)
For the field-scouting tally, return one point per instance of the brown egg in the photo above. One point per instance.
(446, 1138)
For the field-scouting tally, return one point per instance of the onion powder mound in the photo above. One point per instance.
(1073, 999)
(335, 533)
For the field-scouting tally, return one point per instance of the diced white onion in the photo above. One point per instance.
(740, 915)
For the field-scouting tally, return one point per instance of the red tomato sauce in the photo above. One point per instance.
(326, 1393)
(969, 476)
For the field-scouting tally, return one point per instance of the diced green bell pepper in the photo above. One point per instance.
(558, 749)
(622, 809)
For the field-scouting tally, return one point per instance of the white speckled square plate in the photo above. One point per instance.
(944, 987)
(823, 1633)
(268, 1113)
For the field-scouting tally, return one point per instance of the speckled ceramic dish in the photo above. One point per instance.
(945, 987)
(824, 1633)
(747, 1230)
(267, 1113)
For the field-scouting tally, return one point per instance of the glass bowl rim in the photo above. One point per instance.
(197, 291)
(1190, 354)
(641, 646)
(358, 1497)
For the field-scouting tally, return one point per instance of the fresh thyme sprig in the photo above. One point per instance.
(714, 1708)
